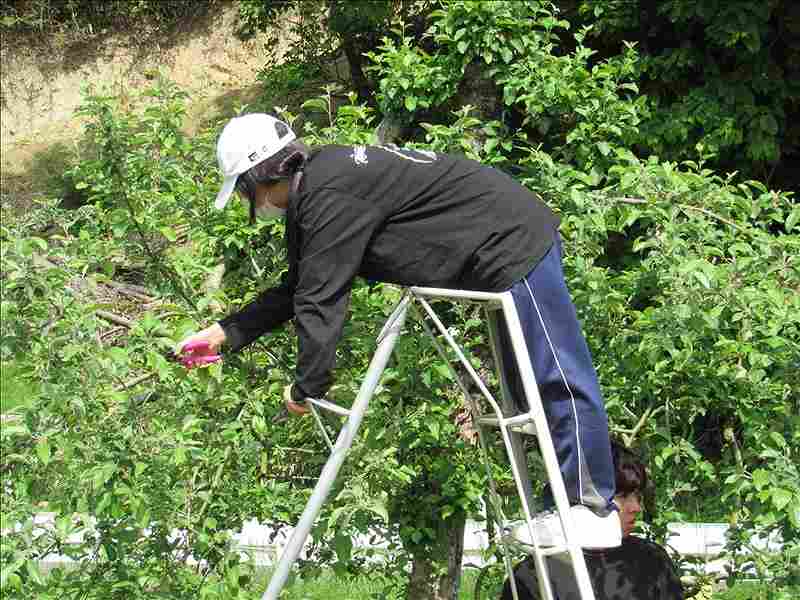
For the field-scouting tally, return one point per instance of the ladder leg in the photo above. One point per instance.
(494, 496)
(515, 454)
(547, 450)
(386, 343)
(515, 446)
(508, 405)
(532, 419)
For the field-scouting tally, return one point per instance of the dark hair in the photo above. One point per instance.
(283, 164)
(629, 470)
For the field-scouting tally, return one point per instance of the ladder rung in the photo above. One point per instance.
(527, 428)
(489, 420)
(529, 548)
(522, 423)
(543, 551)
(552, 550)
(330, 406)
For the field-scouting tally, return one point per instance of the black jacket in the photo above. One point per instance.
(394, 215)
(637, 570)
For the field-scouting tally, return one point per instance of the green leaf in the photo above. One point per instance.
(781, 498)
(344, 547)
(410, 103)
(778, 439)
(628, 179)
(169, 233)
(792, 219)
(379, 508)
(462, 47)
(761, 478)
(39, 243)
(443, 370)
(604, 148)
(43, 451)
(702, 278)
(11, 429)
(102, 474)
(34, 573)
(794, 515)
(318, 104)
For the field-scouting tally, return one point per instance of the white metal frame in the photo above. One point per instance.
(498, 308)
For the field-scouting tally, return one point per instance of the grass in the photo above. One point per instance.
(328, 586)
(367, 587)
(15, 390)
(361, 587)
(757, 591)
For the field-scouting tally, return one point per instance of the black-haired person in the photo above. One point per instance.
(638, 569)
(414, 217)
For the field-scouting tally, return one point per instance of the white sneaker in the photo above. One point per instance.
(593, 531)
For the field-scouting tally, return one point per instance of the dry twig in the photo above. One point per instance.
(112, 318)
(136, 381)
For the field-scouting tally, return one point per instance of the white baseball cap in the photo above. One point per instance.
(244, 142)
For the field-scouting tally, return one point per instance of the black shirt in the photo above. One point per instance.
(637, 570)
(394, 215)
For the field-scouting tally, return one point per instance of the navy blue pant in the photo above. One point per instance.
(567, 382)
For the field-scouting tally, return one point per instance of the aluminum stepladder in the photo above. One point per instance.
(498, 308)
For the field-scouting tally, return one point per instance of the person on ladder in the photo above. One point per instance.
(416, 218)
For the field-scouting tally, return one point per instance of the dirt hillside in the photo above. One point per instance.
(41, 82)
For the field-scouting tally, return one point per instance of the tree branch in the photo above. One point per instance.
(212, 284)
(129, 291)
(629, 200)
(630, 434)
(705, 211)
(112, 318)
(136, 381)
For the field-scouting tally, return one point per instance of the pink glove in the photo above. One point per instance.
(195, 354)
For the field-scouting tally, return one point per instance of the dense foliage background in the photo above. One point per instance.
(686, 277)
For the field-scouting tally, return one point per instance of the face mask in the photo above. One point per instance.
(269, 212)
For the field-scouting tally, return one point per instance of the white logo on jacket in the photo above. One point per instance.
(424, 157)
(359, 155)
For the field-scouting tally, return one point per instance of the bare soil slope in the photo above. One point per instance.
(41, 80)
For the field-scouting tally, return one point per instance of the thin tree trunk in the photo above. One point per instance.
(355, 63)
(423, 581)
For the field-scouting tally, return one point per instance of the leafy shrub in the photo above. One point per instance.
(88, 17)
(686, 282)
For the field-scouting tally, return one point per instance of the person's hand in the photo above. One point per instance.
(202, 348)
(292, 406)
